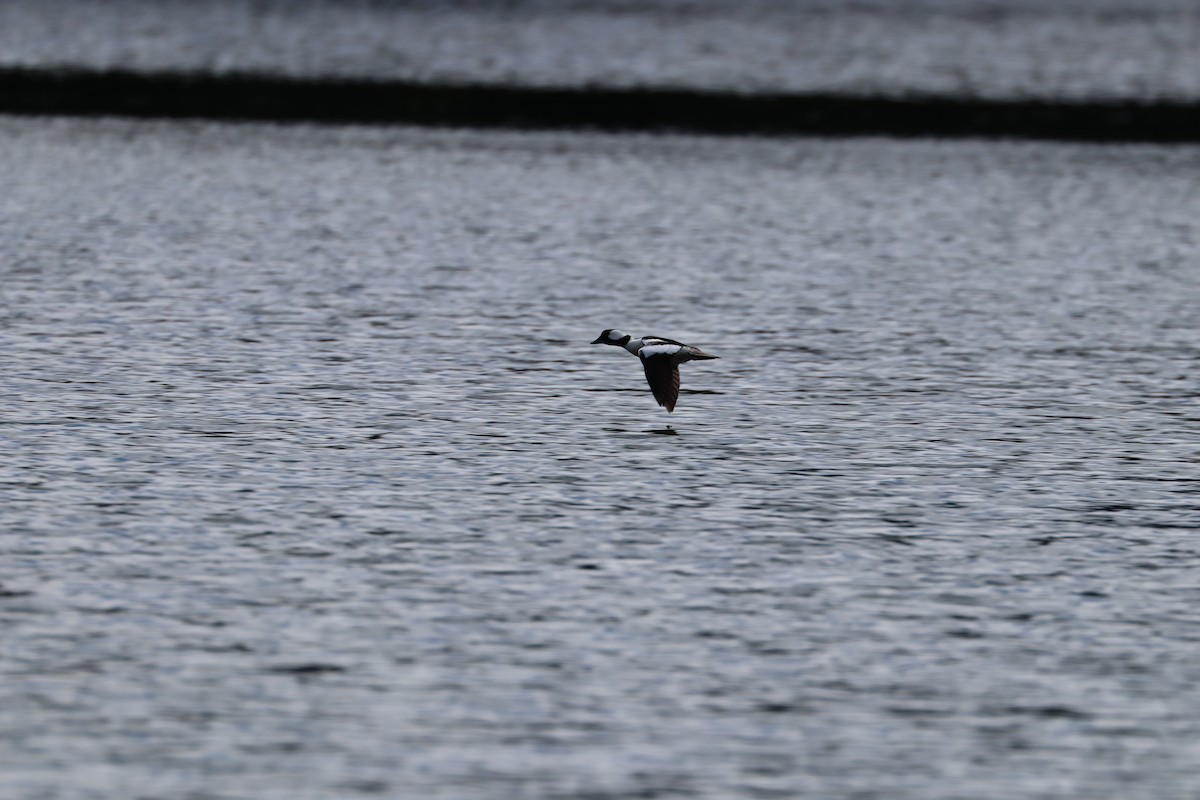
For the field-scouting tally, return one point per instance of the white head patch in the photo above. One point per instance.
(616, 335)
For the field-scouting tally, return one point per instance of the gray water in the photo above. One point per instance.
(1133, 50)
(311, 485)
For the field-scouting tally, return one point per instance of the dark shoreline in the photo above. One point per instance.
(258, 97)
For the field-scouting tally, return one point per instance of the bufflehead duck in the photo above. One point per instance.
(660, 358)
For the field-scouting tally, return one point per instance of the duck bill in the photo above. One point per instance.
(599, 340)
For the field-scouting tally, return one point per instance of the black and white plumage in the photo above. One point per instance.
(660, 359)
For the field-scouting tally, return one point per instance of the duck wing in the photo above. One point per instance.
(662, 373)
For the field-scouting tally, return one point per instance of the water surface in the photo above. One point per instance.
(1127, 50)
(313, 487)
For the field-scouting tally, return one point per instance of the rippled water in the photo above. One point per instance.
(313, 487)
(1128, 50)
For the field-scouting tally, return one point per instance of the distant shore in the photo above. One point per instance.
(265, 97)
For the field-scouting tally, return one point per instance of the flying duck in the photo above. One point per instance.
(660, 358)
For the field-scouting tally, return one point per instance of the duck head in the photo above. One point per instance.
(612, 336)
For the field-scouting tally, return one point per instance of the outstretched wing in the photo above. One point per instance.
(663, 376)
